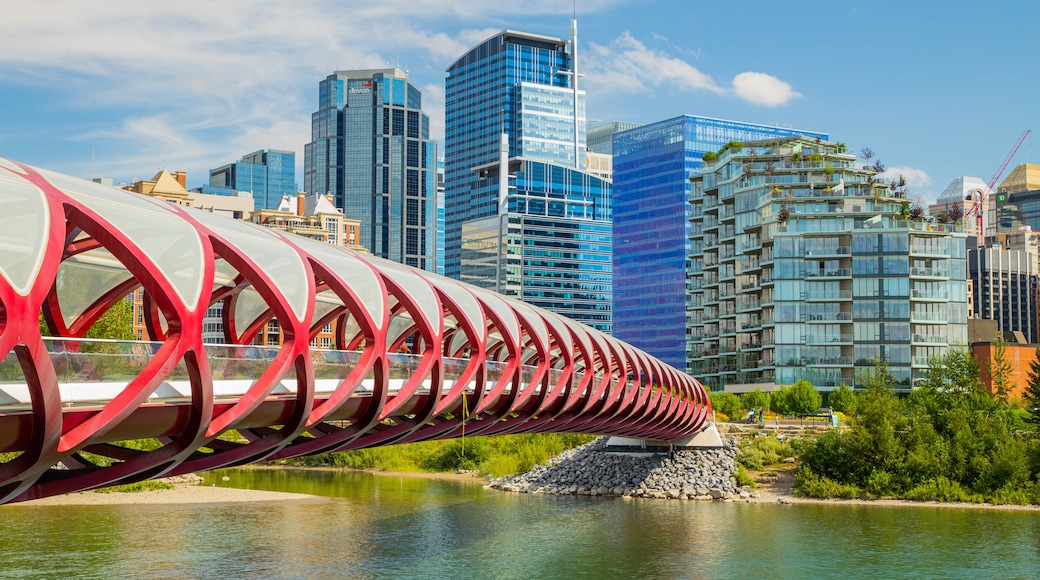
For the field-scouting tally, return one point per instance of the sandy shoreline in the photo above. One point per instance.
(180, 494)
(769, 490)
(189, 493)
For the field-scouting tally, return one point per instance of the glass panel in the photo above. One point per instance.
(84, 278)
(162, 236)
(24, 226)
(278, 260)
(360, 276)
(248, 307)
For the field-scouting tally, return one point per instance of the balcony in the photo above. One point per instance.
(930, 273)
(828, 339)
(936, 295)
(827, 296)
(929, 339)
(827, 361)
(829, 317)
(827, 252)
(830, 273)
(929, 317)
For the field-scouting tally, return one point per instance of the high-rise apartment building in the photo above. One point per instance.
(803, 266)
(268, 174)
(371, 151)
(523, 215)
(652, 167)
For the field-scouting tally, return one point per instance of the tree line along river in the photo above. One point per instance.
(374, 526)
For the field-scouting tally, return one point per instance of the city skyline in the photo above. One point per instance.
(202, 85)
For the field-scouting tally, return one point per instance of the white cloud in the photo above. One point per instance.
(433, 104)
(763, 89)
(627, 65)
(916, 179)
(195, 84)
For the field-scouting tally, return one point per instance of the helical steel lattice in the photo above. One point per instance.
(415, 356)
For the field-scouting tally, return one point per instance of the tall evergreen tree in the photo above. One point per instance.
(1032, 393)
(1000, 371)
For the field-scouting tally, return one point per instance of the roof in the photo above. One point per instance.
(517, 35)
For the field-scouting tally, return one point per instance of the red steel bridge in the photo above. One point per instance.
(416, 356)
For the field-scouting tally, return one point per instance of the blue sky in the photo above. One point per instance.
(936, 90)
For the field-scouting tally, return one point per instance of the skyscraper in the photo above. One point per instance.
(371, 150)
(652, 167)
(269, 174)
(523, 216)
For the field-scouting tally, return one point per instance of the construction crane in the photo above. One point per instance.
(981, 195)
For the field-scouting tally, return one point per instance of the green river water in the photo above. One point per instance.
(371, 526)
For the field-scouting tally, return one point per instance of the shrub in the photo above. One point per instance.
(831, 455)
(755, 399)
(843, 400)
(742, 477)
(808, 484)
(760, 452)
(941, 489)
(725, 403)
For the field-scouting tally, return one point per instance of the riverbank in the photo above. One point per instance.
(776, 485)
(187, 489)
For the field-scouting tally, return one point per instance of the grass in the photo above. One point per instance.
(139, 486)
(763, 451)
(497, 456)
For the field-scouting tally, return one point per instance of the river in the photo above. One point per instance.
(372, 526)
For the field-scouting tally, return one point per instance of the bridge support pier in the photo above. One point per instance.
(709, 438)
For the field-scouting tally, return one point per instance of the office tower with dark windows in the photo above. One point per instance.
(652, 169)
(803, 265)
(1004, 274)
(371, 151)
(523, 213)
(268, 174)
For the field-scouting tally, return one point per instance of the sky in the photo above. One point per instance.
(122, 89)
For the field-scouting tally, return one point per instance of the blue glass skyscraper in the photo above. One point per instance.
(371, 149)
(652, 167)
(268, 174)
(522, 215)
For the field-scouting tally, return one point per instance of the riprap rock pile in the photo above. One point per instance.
(591, 470)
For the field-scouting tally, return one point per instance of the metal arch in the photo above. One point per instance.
(581, 380)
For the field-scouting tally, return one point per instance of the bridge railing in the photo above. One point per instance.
(93, 371)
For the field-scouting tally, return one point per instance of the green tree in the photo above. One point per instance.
(879, 377)
(725, 403)
(803, 398)
(956, 371)
(117, 323)
(778, 401)
(1000, 371)
(843, 399)
(755, 399)
(1032, 393)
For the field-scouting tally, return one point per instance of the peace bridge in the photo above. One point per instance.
(416, 356)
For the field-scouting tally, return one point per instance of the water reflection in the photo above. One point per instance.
(372, 526)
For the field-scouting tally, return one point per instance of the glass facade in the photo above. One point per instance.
(549, 242)
(268, 174)
(513, 83)
(371, 150)
(552, 248)
(652, 166)
(803, 267)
